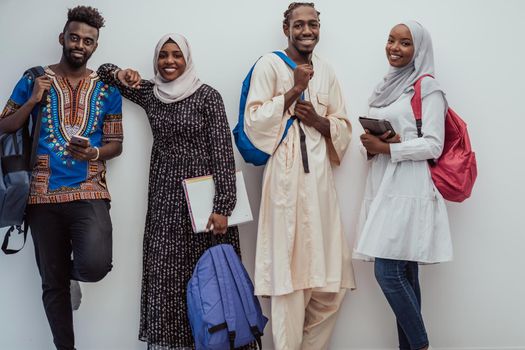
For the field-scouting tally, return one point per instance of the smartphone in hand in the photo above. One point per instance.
(80, 141)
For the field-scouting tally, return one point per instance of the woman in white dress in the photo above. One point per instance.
(403, 220)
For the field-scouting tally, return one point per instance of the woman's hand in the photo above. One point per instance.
(129, 77)
(386, 137)
(217, 223)
(378, 144)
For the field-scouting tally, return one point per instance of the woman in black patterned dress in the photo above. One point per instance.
(191, 137)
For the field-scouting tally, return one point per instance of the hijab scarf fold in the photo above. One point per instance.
(186, 84)
(400, 80)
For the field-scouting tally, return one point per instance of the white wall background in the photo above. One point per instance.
(475, 302)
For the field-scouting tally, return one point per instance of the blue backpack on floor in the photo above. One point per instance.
(248, 151)
(223, 311)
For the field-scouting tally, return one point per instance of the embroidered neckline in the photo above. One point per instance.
(51, 72)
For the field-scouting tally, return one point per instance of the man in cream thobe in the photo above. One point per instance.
(303, 260)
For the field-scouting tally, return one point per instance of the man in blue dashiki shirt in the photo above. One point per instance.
(68, 208)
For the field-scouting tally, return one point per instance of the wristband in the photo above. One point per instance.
(98, 153)
(115, 73)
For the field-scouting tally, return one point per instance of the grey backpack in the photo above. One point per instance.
(18, 157)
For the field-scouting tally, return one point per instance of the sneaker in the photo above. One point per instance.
(76, 294)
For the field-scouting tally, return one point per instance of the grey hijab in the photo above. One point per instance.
(400, 80)
(185, 85)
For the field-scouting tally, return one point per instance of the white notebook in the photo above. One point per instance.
(199, 196)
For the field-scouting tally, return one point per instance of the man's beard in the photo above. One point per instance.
(73, 62)
(304, 52)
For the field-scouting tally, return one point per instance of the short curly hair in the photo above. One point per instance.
(293, 6)
(85, 14)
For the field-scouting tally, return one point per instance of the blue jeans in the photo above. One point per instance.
(400, 284)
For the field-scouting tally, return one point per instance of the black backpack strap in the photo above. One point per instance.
(231, 338)
(20, 230)
(36, 72)
(257, 334)
(35, 135)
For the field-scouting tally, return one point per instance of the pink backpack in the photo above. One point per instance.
(454, 173)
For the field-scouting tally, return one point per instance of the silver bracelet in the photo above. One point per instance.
(98, 153)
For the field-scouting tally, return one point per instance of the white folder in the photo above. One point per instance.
(200, 192)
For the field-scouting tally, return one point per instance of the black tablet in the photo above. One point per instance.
(377, 127)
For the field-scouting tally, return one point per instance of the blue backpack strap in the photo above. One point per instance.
(225, 285)
(290, 64)
(244, 93)
(245, 292)
(286, 59)
(248, 151)
(293, 118)
(302, 135)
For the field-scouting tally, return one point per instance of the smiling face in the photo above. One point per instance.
(171, 63)
(302, 30)
(79, 41)
(400, 46)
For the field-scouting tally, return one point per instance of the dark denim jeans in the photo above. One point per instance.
(400, 284)
(83, 228)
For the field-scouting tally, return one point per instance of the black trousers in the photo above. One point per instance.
(82, 228)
